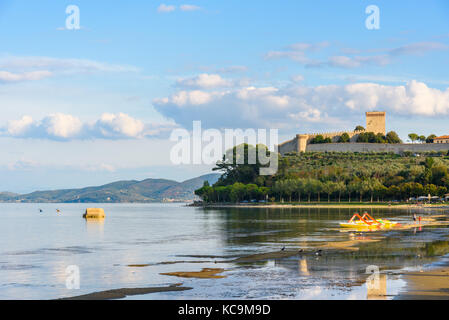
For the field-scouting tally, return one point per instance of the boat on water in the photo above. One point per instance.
(367, 222)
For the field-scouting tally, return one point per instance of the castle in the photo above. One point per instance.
(375, 122)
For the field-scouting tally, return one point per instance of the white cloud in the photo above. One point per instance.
(300, 52)
(233, 69)
(189, 7)
(310, 115)
(62, 125)
(119, 125)
(297, 78)
(418, 48)
(297, 105)
(19, 127)
(163, 8)
(33, 66)
(204, 81)
(59, 126)
(6, 76)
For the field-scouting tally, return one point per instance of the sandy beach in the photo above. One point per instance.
(427, 285)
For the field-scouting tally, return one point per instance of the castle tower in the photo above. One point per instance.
(375, 122)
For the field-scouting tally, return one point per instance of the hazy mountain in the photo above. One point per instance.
(149, 190)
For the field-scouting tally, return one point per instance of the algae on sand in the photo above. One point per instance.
(206, 273)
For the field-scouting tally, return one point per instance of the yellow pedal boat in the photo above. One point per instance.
(366, 222)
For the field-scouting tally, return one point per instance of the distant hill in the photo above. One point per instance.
(149, 190)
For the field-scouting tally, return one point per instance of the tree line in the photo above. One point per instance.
(333, 176)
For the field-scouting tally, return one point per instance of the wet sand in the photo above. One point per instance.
(267, 256)
(125, 292)
(206, 273)
(427, 285)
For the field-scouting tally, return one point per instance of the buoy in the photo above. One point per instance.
(94, 213)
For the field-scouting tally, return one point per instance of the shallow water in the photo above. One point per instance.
(36, 248)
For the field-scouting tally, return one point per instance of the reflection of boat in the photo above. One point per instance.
(367, 222)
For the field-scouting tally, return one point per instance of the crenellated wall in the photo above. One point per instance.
(377, 147)
(302, 141)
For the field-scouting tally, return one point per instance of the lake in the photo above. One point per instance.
(138, 242)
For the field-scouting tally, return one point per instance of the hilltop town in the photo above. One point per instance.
(359, 140)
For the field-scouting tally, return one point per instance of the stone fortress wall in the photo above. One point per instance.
(375, 122)
(378, 147)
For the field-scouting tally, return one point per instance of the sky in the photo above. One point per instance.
(98, 103)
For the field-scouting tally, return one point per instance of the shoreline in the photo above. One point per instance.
(432, 284)
(324, 206)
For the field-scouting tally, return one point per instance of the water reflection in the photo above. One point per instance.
(95, 227)
(35, 250)
(295, 228)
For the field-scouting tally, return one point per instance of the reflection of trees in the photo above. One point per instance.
(246, 226)
(256, 227)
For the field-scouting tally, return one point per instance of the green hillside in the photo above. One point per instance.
(149, 190)
(335, 176)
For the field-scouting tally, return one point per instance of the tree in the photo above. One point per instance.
(439, 172)
(413, 137)
(372, 186)
(319, 139)
(314, 186)
(380, 138)
(329, 187)
(309, 187)
(392, 137)
(344, 138)
(205, 193)
(431, 189)
(367, 137)
(237, 167)
(341, 187)
(422, 139)
(353, 187)
(430, 138)
(359, 128)
(300, 187)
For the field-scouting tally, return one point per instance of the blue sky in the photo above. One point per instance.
(90, 106)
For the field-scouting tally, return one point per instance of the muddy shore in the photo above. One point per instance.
(125, 292)
(426, 285)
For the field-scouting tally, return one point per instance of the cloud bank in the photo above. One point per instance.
(60, 126)
(301, 53)
(15, 69)
(165, 8)
(297, 105)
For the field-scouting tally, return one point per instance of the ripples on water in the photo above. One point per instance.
(36, 248)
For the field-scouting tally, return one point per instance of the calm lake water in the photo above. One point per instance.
(36, 248)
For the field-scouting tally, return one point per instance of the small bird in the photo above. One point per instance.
(283, 249)
(300, 250)
(58, 211)
(318, 253)
(40, 210)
